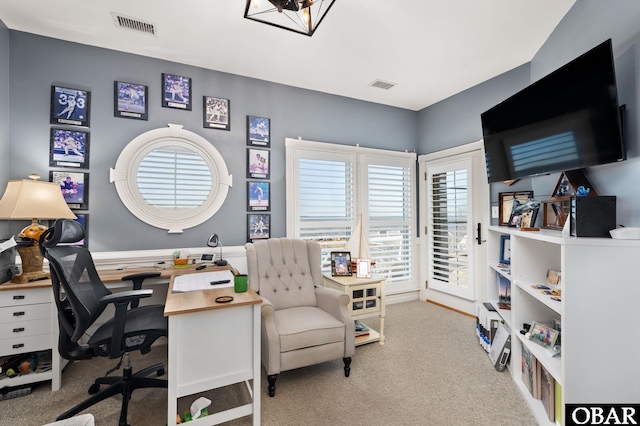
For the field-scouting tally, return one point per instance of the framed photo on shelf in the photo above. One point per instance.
(505, 249)
(258, 226)
(69, 148)
(257, 163)
(258, 194)
(340, 263)
(216, 113)
(74, 187)
(130, 100)
(258, 131)
(504, 292)
(70, 106)
(506, 201)
(176, 91)
(543, 335)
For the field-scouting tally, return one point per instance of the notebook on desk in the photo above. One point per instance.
(202, 281)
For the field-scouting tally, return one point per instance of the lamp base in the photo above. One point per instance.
(32, 262)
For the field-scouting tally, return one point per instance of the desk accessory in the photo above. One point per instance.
(240, 283)
(214, 242)
(224, 299)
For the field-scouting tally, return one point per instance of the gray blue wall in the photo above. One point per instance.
(37, 62)
(456, 120)
(4, 117)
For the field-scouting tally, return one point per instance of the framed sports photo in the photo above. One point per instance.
(258, 226)
(176, 91)
(130, 100)
(74, 187)
(257, 163)
(258, 131)
(340, 263)
(217, 112)
(70, 106)
(69, 148)
(258, 196)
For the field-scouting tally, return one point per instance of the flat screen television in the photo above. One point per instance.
(569, 119)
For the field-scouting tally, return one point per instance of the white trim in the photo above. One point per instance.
(126, 168)
(462, 149)
(349, 149)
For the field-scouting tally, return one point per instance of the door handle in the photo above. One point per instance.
(479, 237)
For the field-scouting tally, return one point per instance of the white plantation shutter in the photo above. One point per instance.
(390, 220)
(172, 178)
(329, 187)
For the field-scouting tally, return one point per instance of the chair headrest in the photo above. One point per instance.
(62, 231)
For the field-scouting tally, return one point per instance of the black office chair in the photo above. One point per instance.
(81, 297)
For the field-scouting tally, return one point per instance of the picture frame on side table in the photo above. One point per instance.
(257, 163)
(363, 269)
(216, 113)
(258, 131)
(69, 148)
(340, 263)
(258, 195)
(130, 100)
(74, 187)
(258, 226)
(176, 91)
(70, 106)
(505, 200)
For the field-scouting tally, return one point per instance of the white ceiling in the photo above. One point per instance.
(431, 49)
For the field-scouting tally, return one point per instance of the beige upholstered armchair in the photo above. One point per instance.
(303, 323)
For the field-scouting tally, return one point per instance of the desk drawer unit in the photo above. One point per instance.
(25, 297)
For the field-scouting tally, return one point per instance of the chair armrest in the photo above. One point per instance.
(336, 303)
(121, 301)
(270, 338)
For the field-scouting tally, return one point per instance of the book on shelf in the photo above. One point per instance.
(361, 329)
(486, 325)
(547, 386)
(529, 371)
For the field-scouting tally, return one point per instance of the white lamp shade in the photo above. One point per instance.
(33, 199)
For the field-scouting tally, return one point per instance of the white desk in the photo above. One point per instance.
(212, 345)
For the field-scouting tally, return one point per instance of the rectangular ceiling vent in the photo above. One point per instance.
(134, 24)
(382, 84)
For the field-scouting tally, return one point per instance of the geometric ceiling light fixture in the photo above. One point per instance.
(300, 16)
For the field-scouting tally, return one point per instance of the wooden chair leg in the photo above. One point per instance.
(272, 384)
(347, 366)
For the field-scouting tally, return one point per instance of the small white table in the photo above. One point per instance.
(212, 345)
(367, 299)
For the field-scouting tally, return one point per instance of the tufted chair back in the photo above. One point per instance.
(286, 271)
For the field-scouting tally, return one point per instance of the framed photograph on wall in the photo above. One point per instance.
(340, 263)
(258, 131)
(258, 194)
(130, 100)
(216, 113)
(506, 201)
(176, 91)
(258, 226)
(257, 163)
(70, 106)
(74, 187)
(69, 148)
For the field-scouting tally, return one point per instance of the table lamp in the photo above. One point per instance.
(33, 200)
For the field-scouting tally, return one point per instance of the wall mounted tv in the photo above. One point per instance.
(569, 119)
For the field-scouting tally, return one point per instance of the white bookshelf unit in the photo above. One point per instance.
(599, 311)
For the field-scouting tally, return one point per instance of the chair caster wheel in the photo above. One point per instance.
(94, 388)
(160, 372)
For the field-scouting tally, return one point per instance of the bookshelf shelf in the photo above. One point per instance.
(598, 301)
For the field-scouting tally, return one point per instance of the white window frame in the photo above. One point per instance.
(124, 175)
(360, 158)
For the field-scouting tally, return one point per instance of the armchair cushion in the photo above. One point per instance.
(305, 327)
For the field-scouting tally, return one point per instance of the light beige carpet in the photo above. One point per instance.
(431, 371)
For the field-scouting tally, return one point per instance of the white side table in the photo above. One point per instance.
(367, 299)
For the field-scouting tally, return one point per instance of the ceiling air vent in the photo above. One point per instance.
(382, 84)
(134, 24)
